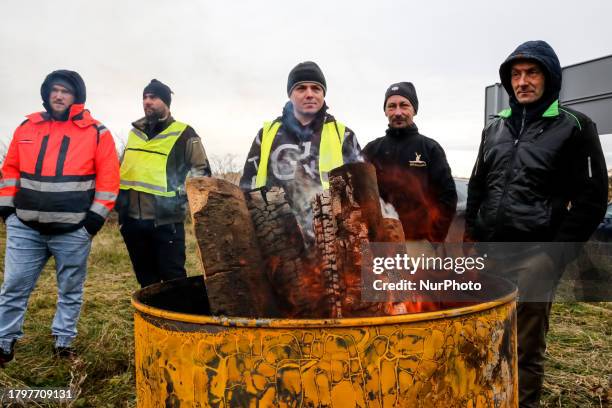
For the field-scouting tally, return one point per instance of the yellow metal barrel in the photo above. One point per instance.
(461, 357)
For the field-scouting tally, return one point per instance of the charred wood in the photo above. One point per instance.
(284, 254)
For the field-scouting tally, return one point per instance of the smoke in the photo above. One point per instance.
(388, 210)
(300, 193)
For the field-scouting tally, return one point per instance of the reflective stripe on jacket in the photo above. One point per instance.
(330, 150)
(57, 171)
(144, 166)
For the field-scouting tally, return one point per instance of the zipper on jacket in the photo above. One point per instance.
(590, 169)
(522, 122)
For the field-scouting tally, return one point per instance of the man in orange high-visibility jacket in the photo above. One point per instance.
(60, 181)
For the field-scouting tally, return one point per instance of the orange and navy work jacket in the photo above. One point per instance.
(55, 172)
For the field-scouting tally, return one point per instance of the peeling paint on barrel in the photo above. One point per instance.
(462, 357)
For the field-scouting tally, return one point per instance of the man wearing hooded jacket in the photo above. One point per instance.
(60, 181)
(412, 171)
(297, 150)
(539, 176)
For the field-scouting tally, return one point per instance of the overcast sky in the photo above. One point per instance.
(227, 62)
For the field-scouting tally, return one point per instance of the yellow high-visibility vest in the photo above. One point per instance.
(330, 150)
(145, 161)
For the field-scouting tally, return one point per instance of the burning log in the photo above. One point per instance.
(236, 281)
(346, 219)
(394, 232)
(257, 253)
(282, 245)
(355, 198)
(419, 301)
(325, 237)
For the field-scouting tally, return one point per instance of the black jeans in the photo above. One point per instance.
(157, 253)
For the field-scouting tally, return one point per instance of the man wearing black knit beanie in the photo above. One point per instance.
(297, 150)
(412, 171)
(160, 152)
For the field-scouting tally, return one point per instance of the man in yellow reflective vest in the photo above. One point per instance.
(297, 150)
(160, 151)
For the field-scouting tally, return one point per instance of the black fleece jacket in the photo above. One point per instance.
(414, 176)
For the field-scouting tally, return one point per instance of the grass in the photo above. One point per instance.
(579, 364)
(103, 375)
(579, 370)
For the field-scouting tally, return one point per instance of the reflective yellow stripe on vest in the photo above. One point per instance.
(330, 150)
(145, 161)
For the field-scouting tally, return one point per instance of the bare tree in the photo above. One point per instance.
(226, 167)
(120, 142)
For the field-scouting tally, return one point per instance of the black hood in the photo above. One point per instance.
(545, 56)
(71, 77)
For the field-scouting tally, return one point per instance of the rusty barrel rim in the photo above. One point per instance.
(145, 309)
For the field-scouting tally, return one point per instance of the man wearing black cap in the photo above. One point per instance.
(297, 150)
(412, 171)
(539, 176)
(160, 152)
(60, 182)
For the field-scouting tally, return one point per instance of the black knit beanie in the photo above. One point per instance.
(405, 89)
(306, 72)
(159, 89)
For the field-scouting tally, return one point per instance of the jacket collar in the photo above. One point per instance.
(398, 133)
(143, 124)
(76, 113)
(551, 112)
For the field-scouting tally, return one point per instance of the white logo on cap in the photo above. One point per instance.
(395, 88)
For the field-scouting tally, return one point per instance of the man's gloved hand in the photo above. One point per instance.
(93, 223)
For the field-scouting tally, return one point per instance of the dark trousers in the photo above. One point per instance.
(157, 253)
(532, 326)
(536, 276)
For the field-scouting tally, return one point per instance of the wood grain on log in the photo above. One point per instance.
(284, 254)
(355, 219)
(393, 230)
(236, 280)
(325, 237)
